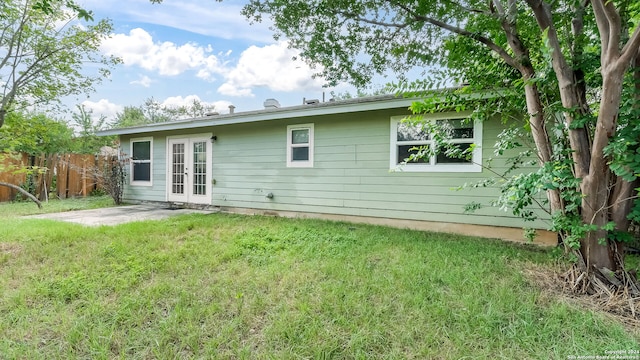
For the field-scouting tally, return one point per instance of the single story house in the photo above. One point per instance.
(336, 160)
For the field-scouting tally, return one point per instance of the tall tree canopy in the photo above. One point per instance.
(152, 112)
(35, 134)
(87, 142)
(43, 52)
(568, 58)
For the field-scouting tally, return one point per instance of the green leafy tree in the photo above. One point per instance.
(87, 142)
(49, 7)
(543, 49)
(153, 111)
(363, 92)
(35, 134)
(130, 116)
(44, 53)
(195, 108)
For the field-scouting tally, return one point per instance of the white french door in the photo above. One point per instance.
(189, 170)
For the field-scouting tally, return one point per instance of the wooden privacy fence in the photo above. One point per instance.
(61, 175)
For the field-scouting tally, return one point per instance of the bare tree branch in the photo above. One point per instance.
(23, 192)
(371, 21)
(602, 23)
(499, 8)
(614, 28)
(460, 31)
(631, 48)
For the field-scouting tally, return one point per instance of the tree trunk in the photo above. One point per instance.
(622, 197)
(569, 88)
(540, 135)
(620, 203)
(595, 186)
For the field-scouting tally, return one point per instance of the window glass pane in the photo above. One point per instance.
(404, 152)
(458, 129)
(142, 150)
(300, 153)
(441, 158)
(408, 132)
(300, 136)
(141, 172)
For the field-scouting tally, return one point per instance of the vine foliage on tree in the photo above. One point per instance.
(111, 173)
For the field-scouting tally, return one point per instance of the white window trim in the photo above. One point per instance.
(141, 183)
(290, 145)
(476, 157)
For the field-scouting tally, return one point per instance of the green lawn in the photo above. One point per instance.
(230, 286)
(8, 210)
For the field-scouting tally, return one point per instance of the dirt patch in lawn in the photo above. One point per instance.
(10, 249)
(620, 306)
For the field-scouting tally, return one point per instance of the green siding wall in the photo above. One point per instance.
(156, 192)
(350, 175)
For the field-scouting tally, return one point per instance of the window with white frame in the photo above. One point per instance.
(414, 144)
(141, 164)
(300, 145)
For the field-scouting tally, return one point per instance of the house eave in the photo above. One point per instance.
(327, 108)
(371, 103)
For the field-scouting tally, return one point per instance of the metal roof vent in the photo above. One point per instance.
(232, 109)
(271, 104)
(312, 101)
(213, 113)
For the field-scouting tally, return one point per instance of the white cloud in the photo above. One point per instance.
(144, 81)
(232, 90)
(270, 66)
(166, 58)
(102, 108)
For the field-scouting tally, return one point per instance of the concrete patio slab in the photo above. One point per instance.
(118, 215)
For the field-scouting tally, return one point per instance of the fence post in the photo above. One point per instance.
(84, 176)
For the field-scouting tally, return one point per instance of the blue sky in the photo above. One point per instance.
(185, 49)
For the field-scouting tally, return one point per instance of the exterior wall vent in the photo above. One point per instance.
(271, 104)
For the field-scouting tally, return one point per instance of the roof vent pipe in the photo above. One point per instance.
(231, 109)
(271, 104)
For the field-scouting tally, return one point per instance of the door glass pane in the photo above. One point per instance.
(177, 169)
(200, 168)
(300, 136)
